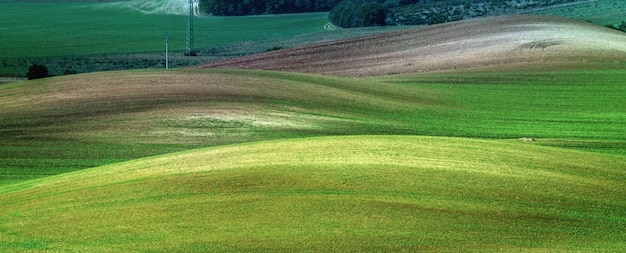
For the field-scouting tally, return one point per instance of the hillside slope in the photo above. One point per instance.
(54, 125)
(344, 194)
(480, 43)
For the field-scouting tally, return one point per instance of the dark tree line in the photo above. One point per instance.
(355, 13)
(257, 7)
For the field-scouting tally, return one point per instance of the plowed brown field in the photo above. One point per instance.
(507, 41)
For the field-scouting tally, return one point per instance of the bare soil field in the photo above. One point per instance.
(507, 41)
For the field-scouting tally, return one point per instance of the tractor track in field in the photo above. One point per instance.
(330, 27)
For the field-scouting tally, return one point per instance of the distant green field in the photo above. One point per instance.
(65, 29)
(126, 115)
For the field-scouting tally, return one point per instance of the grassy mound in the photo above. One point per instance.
(360, 193)
(511, 41)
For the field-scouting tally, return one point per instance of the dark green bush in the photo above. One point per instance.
(256, 7)
(37, 71)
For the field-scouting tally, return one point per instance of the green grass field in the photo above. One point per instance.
(210, 160)
(45, 29)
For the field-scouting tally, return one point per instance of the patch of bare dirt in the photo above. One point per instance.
(490, 42)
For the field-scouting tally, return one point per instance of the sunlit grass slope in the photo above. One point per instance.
(56, 125)
(358, 193)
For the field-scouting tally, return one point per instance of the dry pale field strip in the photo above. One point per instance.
(489, 42)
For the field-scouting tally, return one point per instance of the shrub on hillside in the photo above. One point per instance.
(37, 71)
(619, 27)
(622, 26)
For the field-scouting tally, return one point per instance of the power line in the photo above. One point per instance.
(190, 30)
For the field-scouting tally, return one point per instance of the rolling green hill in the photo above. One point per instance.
(348, 194)
(50, 126)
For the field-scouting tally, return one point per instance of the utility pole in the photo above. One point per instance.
(167, 53)
(190, 30)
